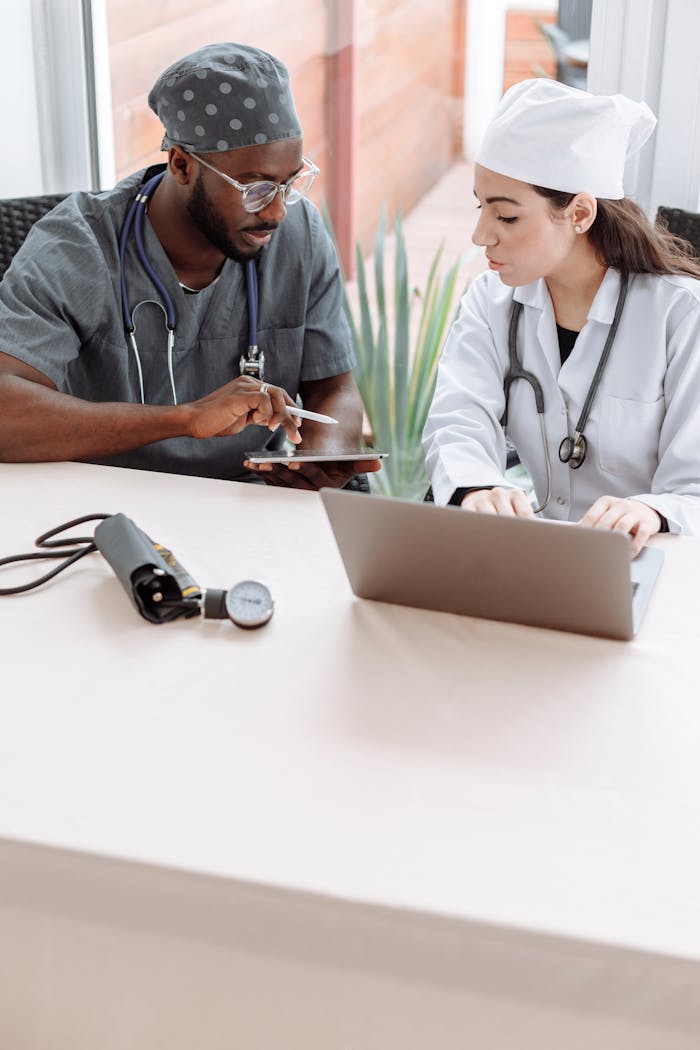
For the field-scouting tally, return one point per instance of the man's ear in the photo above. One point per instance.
(180, 165)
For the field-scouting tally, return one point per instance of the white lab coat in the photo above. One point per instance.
(643, 432)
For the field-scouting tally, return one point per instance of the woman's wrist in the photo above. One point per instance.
(458, 495)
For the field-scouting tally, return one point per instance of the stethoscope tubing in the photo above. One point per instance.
(516, 371)
(593, 389)
(139, 219)
(135, 219)
(251, 273)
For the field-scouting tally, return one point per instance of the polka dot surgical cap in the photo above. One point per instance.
(223, 97)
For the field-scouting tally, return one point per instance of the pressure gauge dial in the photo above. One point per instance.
(249, 604)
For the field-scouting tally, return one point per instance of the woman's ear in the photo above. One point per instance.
(583, 210)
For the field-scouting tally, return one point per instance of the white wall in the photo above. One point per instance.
(486, 35)
(53, 145)
(20, 171)
(645, 48)
(648, 49)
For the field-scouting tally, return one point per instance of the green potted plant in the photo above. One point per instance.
(397, 380)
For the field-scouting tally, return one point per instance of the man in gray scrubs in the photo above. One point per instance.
(74, 384)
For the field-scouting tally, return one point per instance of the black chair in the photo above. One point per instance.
(358, 483)
(17, 216)
(574, 17)
(681, 223)
(567, 73)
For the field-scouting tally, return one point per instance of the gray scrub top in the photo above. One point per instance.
(60, 311)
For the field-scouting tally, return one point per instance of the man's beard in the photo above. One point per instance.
(206, 219)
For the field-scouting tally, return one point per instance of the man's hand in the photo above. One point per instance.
(510, 502)
(39, 423)
(630, 516)
(313, 475)
(239, 403)
(335, 396)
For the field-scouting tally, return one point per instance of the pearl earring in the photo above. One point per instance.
(578, 229)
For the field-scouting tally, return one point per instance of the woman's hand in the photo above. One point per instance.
(631, 516)
(511, 502)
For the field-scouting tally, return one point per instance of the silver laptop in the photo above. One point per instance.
(540, 573)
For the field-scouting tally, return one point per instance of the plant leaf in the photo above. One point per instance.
(397, 381)
(401, 334)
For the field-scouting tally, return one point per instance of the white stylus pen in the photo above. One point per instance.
(303, 413)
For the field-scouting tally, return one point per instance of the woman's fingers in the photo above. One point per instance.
(630, 516)
(499, 500)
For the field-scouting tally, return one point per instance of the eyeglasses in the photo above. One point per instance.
(257, 195)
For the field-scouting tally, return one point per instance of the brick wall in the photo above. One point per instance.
(527, 52)
(410, 82)
(408, 58)
(144, 40)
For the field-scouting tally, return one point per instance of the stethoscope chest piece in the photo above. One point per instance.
(253, 363)
(573, 451)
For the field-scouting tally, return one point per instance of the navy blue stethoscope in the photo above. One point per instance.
(572, 450)
(251, 363)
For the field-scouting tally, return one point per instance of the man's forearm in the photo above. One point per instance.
(38, 423)
(340, 400)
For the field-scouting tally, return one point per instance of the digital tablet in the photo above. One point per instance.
(307, 455)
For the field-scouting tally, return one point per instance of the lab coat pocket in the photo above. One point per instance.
(629, 436)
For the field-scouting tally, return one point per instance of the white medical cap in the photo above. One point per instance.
(551, 135)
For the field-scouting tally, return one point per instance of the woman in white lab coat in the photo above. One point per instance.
(588, 278)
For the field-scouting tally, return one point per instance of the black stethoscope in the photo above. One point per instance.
(251, 363)
(572, 449)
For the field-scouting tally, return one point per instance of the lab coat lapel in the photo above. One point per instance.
(577, 372)
(545, 347)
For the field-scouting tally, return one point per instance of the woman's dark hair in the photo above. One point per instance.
(624, 239)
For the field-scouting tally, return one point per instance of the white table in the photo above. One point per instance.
(360, 827)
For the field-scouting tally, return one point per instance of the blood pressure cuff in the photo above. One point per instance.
(156, 583)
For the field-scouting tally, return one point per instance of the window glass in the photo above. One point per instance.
(380, 85)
